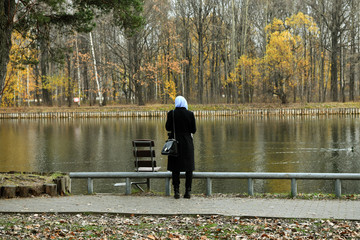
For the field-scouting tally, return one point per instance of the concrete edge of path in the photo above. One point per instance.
(197, 205)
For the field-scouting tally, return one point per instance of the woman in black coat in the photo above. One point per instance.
(184, 128)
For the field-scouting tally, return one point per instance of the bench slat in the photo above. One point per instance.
(143, 143)
(144, 153)
(144, 163)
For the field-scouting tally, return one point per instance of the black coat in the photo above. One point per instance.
(184, 127)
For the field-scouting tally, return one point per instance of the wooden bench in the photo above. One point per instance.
(144, 154)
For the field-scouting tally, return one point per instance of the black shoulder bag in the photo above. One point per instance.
(171, 145)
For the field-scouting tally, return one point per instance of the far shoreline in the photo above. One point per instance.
(192, 107)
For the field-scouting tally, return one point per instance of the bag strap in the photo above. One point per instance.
(173, 113)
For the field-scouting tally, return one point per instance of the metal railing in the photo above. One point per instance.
(209, 176)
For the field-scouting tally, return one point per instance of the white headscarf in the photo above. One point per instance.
(180, 101)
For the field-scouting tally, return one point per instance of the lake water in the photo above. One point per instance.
(231, 144)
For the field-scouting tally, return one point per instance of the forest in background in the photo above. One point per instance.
(210, 51)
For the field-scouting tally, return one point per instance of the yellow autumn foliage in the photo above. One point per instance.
(170, 89)
(286, 59)
(248, 70)
(20, 78)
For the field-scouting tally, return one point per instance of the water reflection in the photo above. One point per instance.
(246, 144)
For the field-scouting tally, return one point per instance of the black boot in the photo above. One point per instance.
(188, 183)
(187, 193)
(176, 192)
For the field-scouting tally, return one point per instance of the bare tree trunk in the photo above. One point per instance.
(98, 83)
(27, 85)
(334, 67)
(322, 90)
(213, 58)
(200, 62)
(244, 87)
(266, 13)
(312, 69)
(352, 52)
(342, 77)
(233, 55)
(202, 10)
(78, 69)
(335, 32)
(322, 94)
(44, 66)
(134, 67)
(188, 57)
(7, 9)
(69, 93)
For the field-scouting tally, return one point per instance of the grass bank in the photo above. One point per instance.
(165, 107)
(27, 179)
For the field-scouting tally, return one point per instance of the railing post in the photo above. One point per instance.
(208, 186)
(90, 186)
(128, 187)
(167, 187)
(250, 186)
(293, 187)
(338, 188)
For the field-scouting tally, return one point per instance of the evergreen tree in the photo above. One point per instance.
(40, 15)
